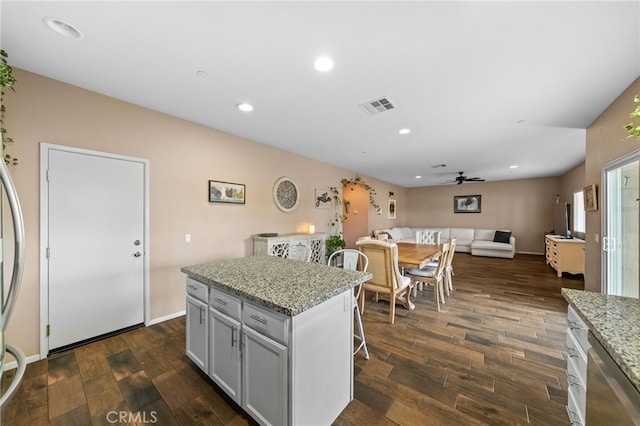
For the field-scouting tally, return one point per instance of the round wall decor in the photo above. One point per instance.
(285, 194)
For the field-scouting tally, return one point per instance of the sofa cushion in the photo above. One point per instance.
(502, 237)
(490, 245)
(484, 234)
(395, 233)
(462, 234)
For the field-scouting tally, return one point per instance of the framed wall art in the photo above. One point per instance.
(590, 194)
(226, 192)
(392, 209)
(322, 198)
(467, 203)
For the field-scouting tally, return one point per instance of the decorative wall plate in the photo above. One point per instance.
(285, 194)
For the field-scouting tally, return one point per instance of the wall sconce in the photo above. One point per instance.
(390, 194)
(347, 206)
(312, 229)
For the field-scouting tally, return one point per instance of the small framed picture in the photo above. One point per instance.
(467, 203)
(392, 209)
(226, 192)
(322, 198)
(590, 197)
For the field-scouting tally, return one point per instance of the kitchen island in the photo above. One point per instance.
(275, 334)
(601, 321)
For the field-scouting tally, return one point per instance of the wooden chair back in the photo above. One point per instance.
(383, 262)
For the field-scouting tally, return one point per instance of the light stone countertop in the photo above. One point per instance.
(615, 322)
(284, 285)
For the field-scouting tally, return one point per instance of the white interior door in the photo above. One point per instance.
(96, 222)
(621, 227)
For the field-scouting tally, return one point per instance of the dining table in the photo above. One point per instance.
(411, 255)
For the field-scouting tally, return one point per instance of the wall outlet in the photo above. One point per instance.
(187, 238)
(596, 237)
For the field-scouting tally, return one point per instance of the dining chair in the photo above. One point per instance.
(383, 265)
(431, 275)
(356, 261)
(427, 236)
(300, 251)
(448, 272)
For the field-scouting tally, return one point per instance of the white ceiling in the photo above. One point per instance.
(481, 85)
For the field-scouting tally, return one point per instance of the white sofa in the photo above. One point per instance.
(478, 242)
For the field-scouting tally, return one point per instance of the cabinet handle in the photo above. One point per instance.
(573, 325)
(201, 311)
(573, 414)
(572, 353)
(259, 319)
(221, 301)
(573, 383)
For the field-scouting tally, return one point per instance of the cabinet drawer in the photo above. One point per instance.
(577, 388)
(576, 416)
(198, 290)
(225, 303)
(266, 322)
(579, 329)
(576, 355)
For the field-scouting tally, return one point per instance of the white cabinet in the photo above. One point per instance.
(564, 255)
(225, 359)
(265, 383)
(197, 344)
(577, 347)
(279, 246)
(224, 339)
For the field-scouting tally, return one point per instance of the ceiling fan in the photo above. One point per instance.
(461, 179)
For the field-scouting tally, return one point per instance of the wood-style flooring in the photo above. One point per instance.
(494, 355)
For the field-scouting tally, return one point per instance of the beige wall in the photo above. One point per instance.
(606, 141)
(183, 157)
(522, 206)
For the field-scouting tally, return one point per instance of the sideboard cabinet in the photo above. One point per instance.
(564, 254)
(279, 246)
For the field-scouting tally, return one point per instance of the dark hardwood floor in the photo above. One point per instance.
(494, 355)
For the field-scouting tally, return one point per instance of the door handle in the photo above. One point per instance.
(136, 242)
(137, 254)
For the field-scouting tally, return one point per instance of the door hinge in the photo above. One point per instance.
(48, 330)
(48, 252)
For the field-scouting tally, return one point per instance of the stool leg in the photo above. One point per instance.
(360, 336)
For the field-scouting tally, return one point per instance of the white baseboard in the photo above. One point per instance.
(13, 364)
(166, 318)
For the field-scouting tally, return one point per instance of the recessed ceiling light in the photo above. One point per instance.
(418, 177)
(245, 107)
(323, 64)
(404, 131)
(201, 73)
(513, 167)
(62, 28)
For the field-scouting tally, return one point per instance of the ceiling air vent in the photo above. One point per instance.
(377, 106)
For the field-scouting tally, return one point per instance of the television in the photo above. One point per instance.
(562, 220)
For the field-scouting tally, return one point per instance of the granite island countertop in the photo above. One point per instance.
(284, 285)
(615, 322)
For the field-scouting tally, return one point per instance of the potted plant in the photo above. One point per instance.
(7, 81)
(334, 243)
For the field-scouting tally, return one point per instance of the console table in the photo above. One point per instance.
(564, 254)
(279, 246)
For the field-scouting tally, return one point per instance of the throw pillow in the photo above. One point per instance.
(395, 233)
(502, 237)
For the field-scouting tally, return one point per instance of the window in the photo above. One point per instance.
(578, 213)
